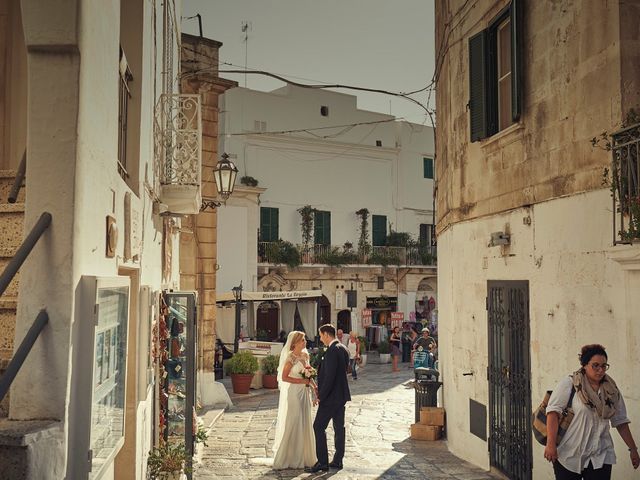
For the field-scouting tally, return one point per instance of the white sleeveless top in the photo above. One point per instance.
(352, 347)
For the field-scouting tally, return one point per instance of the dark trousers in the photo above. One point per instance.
(588, 473)
(327, 412)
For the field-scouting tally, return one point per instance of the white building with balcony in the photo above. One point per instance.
(315, 148)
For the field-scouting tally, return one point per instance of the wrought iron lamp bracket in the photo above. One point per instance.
(207, 203)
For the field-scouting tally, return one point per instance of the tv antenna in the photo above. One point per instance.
(246, 27)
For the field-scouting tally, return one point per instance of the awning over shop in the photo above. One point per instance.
(266, 296)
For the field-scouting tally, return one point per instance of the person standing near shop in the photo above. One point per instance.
(586, 451)
(394, 341)
(353, 345)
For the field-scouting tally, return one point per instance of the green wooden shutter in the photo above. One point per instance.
(269, 224)
(322, 227)
(379, 230)
(428, 167)
(478, 85)
(516, 60)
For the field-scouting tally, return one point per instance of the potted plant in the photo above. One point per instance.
(166, 462)
(241, 367)
(363, 351)
(270, 371)
(249, 181)
(383, 350)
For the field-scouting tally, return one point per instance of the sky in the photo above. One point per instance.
(382, 44)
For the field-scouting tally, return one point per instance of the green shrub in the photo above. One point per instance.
(270, 364)
(383, 347)
(167, 458)
(242, 362)
(364, 344)
(335, 257)
(283, 253)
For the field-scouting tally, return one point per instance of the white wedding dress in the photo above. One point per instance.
(295, 445)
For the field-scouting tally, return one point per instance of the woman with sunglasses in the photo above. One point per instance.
(586, 450)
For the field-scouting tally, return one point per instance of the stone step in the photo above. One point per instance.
(26, 448)
(7, 178)
(12, 289)
(11, 224)
(8, 307)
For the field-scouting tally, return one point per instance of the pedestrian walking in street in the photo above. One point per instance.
(353, 345)
(394, 341)
(342, 337)
(333, 394)
(586, 451)
(294, 444)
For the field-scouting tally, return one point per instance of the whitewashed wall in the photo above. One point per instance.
(341, 174)
(73, 140)
(578, 295)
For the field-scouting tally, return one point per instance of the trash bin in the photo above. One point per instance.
(426, 386)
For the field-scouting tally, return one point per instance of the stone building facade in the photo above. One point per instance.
(528, 269)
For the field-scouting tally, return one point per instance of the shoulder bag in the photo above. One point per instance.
(540, 419)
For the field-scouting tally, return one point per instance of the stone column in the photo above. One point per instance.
(198, 259)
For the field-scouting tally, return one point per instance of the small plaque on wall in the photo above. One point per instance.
(111, 237)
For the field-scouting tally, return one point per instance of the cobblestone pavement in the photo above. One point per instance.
(378, 444)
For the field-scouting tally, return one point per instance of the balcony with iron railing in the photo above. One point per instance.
(287, 253)
(625, 189)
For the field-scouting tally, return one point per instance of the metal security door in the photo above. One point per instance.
(509, 378)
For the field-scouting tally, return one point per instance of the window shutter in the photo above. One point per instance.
(269, 224)
(478, 85)
(516, 59)
(379, 230)
(322, 228)
(275, 224)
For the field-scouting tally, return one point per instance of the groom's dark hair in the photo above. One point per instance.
(328, 329)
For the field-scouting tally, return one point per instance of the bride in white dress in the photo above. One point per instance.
(295, 445)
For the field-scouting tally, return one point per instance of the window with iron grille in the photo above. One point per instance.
(495, 92)
(124, 95)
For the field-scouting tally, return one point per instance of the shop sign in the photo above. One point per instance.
(390, 303)
(366, 317)
(396, 319)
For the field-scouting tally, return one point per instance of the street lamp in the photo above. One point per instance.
(225, 177)
(237, 294)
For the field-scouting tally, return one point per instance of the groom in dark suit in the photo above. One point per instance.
(333, 394)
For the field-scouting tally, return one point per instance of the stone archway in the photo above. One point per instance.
(426, 305)
(344, 321)
(325, 311)
(267, 321)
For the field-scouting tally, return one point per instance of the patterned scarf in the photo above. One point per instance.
(605, 402)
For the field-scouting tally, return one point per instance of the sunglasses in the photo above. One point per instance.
(598, 366)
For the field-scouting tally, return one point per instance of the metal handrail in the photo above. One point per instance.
(17, 183)
(22, 352)
(23, 251)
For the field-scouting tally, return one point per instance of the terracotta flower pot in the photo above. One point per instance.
(241, 382)
(270, 381)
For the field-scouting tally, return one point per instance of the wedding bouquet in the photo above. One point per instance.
(309, 373)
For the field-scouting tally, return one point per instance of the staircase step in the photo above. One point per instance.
(7, 326)
(11, 225)
(26, 448)
(12, 289)
(7, 178)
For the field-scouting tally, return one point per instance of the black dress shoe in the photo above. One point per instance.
(336, 465)
(317, 468)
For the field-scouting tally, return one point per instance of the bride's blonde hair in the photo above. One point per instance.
(295, 338)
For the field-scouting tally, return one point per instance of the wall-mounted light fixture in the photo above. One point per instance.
(499, 238)
(225, 177)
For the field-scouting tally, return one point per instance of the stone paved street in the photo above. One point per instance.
(378, 443)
